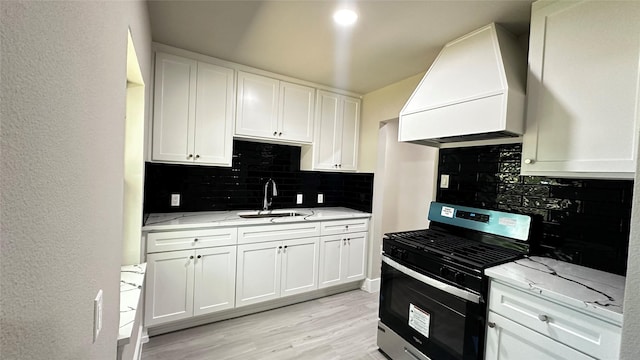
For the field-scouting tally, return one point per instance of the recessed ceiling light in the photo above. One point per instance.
(345, 17)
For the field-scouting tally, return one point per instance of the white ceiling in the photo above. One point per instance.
(391, 41)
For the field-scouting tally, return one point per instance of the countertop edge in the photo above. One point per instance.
(601, 313)
(264, 221)
(131, 283)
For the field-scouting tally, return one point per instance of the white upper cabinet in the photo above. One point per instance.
(583, 89)
(257, 105)
(274, 110)
(193, 112)
(337, 131)
(295, 118)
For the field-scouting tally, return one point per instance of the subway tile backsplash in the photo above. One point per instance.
(241, 187)
(582, 221)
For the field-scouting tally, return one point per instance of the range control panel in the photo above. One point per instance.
(474, 216)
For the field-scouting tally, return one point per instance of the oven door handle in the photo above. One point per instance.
(453, 290)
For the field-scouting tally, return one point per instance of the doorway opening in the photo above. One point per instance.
(133, 159)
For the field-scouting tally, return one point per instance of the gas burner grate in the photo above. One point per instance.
(474, 253)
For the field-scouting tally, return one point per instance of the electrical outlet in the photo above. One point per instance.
(444, 181)
(320, 198)
(299, 199)
(97, 315)
(175, 199)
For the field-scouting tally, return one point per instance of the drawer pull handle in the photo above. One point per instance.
(491, 324)
(529, 161)
(544, 318)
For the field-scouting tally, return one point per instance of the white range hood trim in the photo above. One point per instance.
(428, 120)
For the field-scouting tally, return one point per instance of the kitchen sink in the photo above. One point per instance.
(269, 214)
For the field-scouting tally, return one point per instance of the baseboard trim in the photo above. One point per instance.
(246, 310)
(371, 285)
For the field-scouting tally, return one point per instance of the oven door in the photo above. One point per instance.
(440, 320)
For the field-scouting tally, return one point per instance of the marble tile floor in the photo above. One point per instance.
(338, 327)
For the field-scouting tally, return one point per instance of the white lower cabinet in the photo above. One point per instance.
(524, 325)
(182, 284)
(202, 271)
(270, 270)
(509, 340)
(342, 258)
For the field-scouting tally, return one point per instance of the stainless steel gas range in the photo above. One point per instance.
(433, 292)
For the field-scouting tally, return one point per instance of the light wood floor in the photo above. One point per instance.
(342, 326)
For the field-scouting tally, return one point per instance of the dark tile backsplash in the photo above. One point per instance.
(582, 221)
(207, 188)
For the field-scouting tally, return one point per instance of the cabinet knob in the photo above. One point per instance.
(543, 317)
(275, 133)
(285, 246)
(279, 134)
(491, 324)
(197, 156)
(335, 165)
(195, 240)
(529, 161)
(191, 257)
(189, 156)
(199, 256)
(346, 227)
(339, 165)
(344, 241)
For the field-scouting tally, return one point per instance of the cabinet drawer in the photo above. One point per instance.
(592, 336)
(191, 239)
(344, 226)
(262, 233)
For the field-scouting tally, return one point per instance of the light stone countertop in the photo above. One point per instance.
(593, 291)
(131, 282)
(193, 220)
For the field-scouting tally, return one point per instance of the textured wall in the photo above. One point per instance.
(63, 79)
(630, 347)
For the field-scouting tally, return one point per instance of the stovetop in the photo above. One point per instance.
(473, 254)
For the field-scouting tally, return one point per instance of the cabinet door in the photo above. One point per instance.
(258, 272)
(215, 99)
(331, 263)
(295, 120)
(350, 134)
(169, 287)
(299, 266)
(173, 108)
(257, 106)
(215, 280)
(325, 147)
(354, 256)
(583, 89)
(508, 340)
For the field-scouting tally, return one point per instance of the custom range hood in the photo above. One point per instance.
(474, 90)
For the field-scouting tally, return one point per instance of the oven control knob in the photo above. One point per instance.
(445, 272)
(459, 277)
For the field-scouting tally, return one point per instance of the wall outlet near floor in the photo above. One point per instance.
(320, 198)
(444, 181)
(97, 315)
(175, 199)
(299, 199)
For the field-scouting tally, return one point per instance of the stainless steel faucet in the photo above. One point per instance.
(265, 204)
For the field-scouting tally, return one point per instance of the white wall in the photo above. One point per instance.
(381, 105)
(63, 85)
(402, 180)
(404, 185)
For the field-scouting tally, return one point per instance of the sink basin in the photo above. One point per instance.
(269, 214)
